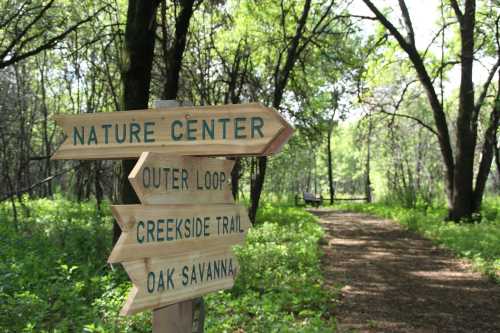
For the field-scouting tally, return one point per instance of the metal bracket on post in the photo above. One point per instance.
(178, 317)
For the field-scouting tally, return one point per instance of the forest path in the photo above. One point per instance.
(396, 281)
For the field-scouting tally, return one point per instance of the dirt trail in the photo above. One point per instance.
(396, 281)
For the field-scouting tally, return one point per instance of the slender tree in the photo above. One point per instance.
(136, 74)
(463, 198)
(282, 70)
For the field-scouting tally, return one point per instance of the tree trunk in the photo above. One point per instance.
(463, 193)
(488, 153)
(282, 74)
(45, 130)
(235, 177)
(437, 108)
(173, 58)
(368, 183)
(497, 161)
(462, 198)
(99, 192)
(330, 165)
(257, 187)
(138, 54)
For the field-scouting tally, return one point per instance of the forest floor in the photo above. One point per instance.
(393, 280)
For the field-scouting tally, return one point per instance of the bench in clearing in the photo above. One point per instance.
(312, 199)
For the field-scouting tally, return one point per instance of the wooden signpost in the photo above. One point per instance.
(177, 245)
(227, 130)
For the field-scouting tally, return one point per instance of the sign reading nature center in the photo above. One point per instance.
(227, 130)
(177, 244)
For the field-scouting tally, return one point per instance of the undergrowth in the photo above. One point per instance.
(54, 276)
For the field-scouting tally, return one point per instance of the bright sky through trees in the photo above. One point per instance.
(426, 16)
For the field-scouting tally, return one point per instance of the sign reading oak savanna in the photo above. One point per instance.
(226, 130)
(162, 281)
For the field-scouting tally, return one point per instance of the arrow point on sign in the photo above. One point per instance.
(114, 256)
(127, 307)
(280, 139)
(132, 177)
(124, 215)
(59, 120)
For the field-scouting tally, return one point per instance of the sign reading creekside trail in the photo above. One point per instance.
(152, 231)
(177, 244)
(227, 130)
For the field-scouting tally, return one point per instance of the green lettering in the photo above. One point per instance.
(256, 125)
(184, 178)
(151, 285)
(124, 132)
(149, 132)
(207, 129)
(139, 238)
(161, 283)
(135, 129)
(77, 134)
(169, 229)
(191, 130)
(159, 230)
(239, 130)
(106, 132)
(176, 123)
(151, 228)
(224, 121)
(92, 136)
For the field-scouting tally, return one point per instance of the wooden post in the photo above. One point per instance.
(178, 317)
(175, 318)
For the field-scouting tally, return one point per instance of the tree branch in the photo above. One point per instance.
(420, 122)
(491, 74)
(26, 29)
(48, 44)
(458, 12)
(388, 25)
(43, 181)
(407, 21)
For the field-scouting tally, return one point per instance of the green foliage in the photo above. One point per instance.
(53, 271)
(54, 276)
(280, 286)
(478, 242)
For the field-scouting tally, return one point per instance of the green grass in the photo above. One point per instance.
(54, 276)
(280, 286)
(479, 242)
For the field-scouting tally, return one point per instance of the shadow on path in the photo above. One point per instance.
(396, 281)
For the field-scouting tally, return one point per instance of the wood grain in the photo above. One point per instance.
(174, 318)
(98, 135)
(166, 179)
(148, 293)
(129, 217)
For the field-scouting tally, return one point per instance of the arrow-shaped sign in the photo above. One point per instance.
(159, 281)
(226, 130)
(173, 230)
(165, 179)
